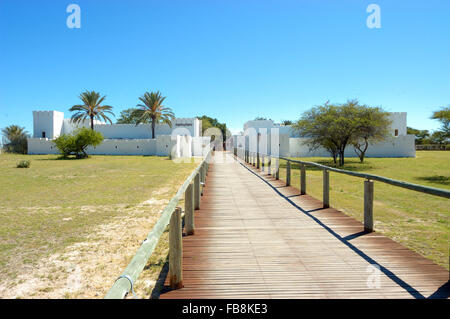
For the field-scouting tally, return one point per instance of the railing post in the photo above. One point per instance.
(197, 191)
(368, 206)
(263, 158)
(269, 165)
(201, 173)
(326, 188)
(288, 173)
(258, 163)
(303, 179)
(175, 250)
(189, 209)
(203, 178)
(277, 169)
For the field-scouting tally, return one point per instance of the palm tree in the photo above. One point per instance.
(153, 110)
(16, 137)
(14, 131)
(91, 108)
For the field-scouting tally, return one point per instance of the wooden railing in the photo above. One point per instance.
(255, 158)
(191, 189)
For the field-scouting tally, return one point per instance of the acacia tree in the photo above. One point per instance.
(152, 110)
(316, 126)
(335, 126)
(91, 108)
(373, 126)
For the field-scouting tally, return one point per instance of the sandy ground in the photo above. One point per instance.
(88, 269)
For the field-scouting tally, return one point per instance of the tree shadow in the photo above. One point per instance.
(437, 179)
(61, 158)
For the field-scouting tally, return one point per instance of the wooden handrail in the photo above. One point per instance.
(419, 188)
(122, 285)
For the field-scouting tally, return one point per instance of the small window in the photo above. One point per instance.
(396, 133)
(43, 134)
(116, 146)
(137, 146)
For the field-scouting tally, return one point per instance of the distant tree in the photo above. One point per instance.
(420, 135)
(286, 122)
(128, 116)
(443, 116)
(91, 108)
(77, 143)
(438, 137)
(153, 111)
(15, 139)
(209, 122)
(334, 126)
(373, 126)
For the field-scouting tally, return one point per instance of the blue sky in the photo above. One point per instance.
(233, 60)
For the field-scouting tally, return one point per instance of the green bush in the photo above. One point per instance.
(77, 143)
(23, 164)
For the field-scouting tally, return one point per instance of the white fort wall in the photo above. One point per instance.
(400, 146)
(122, 139)
(163, 145)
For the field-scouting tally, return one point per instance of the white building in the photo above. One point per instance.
(275, 138)
(183, 139)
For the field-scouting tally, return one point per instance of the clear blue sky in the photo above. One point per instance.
(233, 60)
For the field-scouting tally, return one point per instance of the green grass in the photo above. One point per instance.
(418, 221)
(56, 203)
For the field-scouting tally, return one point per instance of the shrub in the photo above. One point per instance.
(23, 164)
(77, 143)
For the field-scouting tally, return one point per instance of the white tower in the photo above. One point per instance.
(47, 124)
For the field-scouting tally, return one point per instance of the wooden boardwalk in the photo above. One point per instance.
(257, 238)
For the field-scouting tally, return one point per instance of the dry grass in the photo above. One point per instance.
(69, 228)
